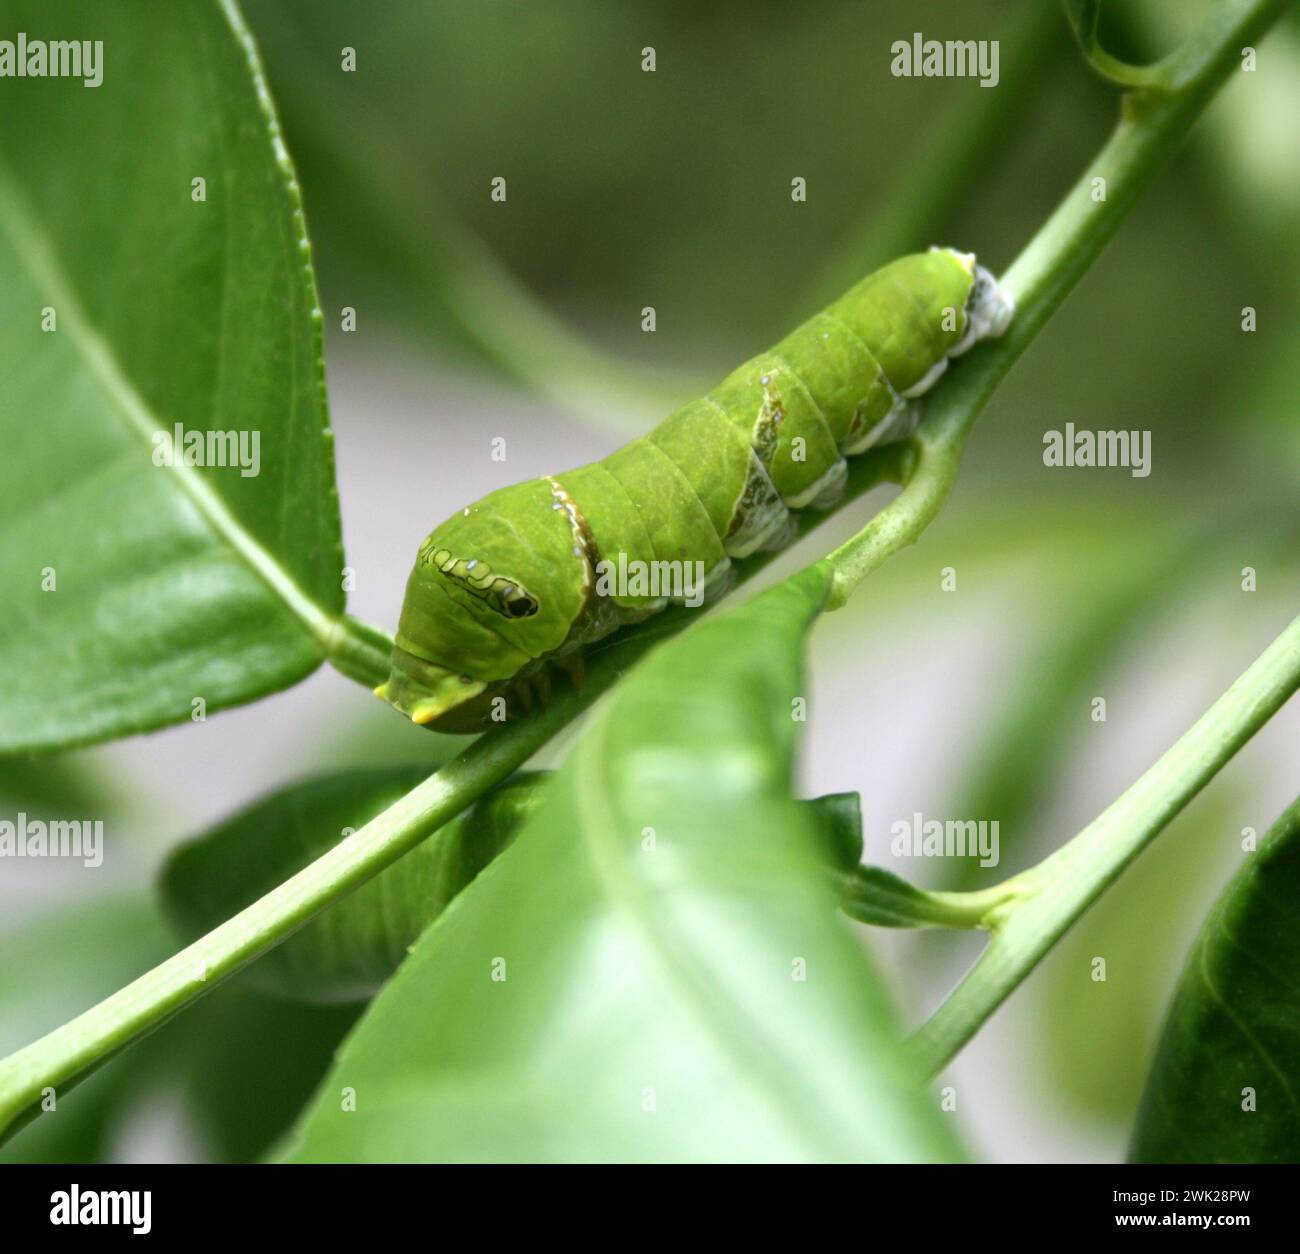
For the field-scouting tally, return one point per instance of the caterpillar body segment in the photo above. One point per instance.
(534, 572)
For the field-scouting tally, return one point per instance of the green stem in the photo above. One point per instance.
(1058, 890)
(360, 651)
(932, 471)
(1150, 128)
(873, 895)
(71, 1051)
(1039, 280)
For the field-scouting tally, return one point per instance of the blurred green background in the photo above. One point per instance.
(523, 319)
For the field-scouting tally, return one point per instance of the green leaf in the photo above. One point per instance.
(133, 589)
(1232, 1039)
(55, 787)
(623, 982)
(839, 823)
(250, 1063)
(345, 953)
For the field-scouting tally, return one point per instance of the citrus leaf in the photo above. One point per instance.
(655, 968)
(133, 299)
(1225, 1084)
(248, 1065)
(345, 954)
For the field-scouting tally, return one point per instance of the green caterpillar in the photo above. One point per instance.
(534, 572)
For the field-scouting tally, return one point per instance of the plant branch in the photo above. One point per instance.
(360, 651)
(1084, 16)
(1151, 127)
(1039, 280)
(873, 895)
(1059, 889)
(71, 1051)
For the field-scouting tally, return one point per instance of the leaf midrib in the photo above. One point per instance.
(38, 255)
(716, 1012)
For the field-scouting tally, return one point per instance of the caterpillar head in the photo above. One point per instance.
(454, 639)
(487, 597)
(428, 693)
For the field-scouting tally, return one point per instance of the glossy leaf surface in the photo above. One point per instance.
(154, 272)
(655, 969)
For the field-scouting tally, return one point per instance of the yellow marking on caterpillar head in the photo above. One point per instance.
(425, 691)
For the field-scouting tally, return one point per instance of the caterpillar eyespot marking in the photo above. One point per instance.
(507, 586)
(504, 595)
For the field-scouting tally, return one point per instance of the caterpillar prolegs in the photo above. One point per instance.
(534, 572)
